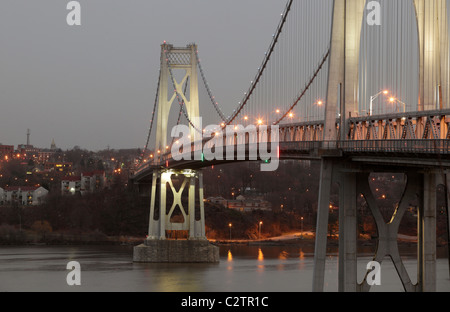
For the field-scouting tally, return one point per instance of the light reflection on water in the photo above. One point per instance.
(241, 269)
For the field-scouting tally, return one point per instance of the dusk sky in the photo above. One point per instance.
(94, 85)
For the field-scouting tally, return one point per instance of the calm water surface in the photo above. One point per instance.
(241, 269)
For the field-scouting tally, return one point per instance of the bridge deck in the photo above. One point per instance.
(423, 153)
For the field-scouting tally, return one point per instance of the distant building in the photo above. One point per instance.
(88, 182)
(27, 150)
(217, 200)
(247, 204)
(71, 185)
(45, 155)
(23, 195)
(58, 167)
(93, 181)
(6, 152)
(53, 145)
(241, 203)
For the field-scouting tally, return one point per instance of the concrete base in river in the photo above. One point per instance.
(176, 251)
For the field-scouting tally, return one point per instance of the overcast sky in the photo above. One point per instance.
(94, 85)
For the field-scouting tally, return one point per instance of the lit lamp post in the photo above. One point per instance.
(318, 105)
(259, 233)
(373, 98)
(302, 228)
(230, 225)
(394, 100)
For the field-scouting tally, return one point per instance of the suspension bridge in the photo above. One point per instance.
(331, 87)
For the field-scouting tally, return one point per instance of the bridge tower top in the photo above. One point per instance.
(176, 58)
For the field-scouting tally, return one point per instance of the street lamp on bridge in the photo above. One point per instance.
(373, 98)
(302, 227)
(259, 233)
(395, 100)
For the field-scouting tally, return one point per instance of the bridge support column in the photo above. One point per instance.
(158, 247)
(353, 180)
(427, 234)
(446, 183)
(153, 225)
(387, 244)
(320, 251)
(347, 232)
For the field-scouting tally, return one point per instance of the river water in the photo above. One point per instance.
(241, 269)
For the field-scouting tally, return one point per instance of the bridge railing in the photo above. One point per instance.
(395, 146)
(374, 146)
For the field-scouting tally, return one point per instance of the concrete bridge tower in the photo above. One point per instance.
(176, 59)
(170, 189)
(432, 28)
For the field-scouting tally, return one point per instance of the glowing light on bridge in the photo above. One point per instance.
(373, 98)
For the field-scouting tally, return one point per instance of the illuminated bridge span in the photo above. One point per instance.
(330, 87)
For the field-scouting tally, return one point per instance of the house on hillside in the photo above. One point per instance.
(88, 182)
(71, 185)
(93, 181)
(23, 195)
(244, 204)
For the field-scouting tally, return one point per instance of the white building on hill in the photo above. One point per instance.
(22, 195)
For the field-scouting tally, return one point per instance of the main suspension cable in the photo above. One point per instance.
(261, 69)
(151, 121)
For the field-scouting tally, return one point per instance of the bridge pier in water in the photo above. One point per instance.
(353, 181)
(160, 248)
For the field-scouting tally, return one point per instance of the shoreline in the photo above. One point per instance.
(64, 239)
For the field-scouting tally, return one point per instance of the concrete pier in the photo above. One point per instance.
(176, 251)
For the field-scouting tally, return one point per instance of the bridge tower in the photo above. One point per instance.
(168, 213)
(176, 59)
(342, 93)
(432, 28)
(341, 104)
